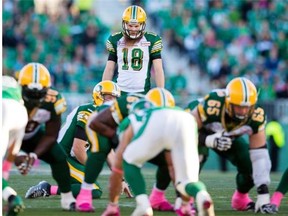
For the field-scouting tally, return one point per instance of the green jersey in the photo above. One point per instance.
(213, 115)
(11, 89)
(120, 107)
(78, 117)
(52, 106)
(134, 61)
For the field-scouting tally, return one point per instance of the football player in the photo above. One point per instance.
(101, 144)
(45, 106)
(72, 137)
(223, 116)
(142, 127)
(106, 123)
(14, 120)
(134, 51)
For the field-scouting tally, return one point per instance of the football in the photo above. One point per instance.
(20, 158)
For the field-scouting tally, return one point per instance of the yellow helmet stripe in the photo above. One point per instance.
(245, 90)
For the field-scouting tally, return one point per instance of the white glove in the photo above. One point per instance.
(263, 205)
(218, 141)
(126, 189)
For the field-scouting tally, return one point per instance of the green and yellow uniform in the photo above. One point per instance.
(77, 118)
(214, 118)
(134, 61)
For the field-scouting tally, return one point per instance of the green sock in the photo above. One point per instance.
(4, 183)
(134, 178)
(61, 173)
(94, 166)
(244, 182)
(283, 186)
(193, 188)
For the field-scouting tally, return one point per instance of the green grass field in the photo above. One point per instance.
(220, 185)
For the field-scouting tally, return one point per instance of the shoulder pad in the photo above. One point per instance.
(151, 33)
(116, 33)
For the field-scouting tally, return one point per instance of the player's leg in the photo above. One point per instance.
(44, 189)
(15, 203)
(281, 190)
(134, 160)
(100, 148)
(56, 158)
(186, 168)
(157, 197)
(239, 156)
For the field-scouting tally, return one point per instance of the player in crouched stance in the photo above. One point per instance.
(223, 116)
(178, 136)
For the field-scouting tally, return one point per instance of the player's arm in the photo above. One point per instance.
(261, 163)
(159, 72)
(99, 123)
(112, 59)
(117, 171)
(49, 138)
(109, 70)
(197, 117)
(79, 145)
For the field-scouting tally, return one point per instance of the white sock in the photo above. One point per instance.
(86, 186)
(7, 192)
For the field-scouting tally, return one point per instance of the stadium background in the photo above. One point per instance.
(206, 43)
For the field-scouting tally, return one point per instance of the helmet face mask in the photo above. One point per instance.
(241, 97)
(133, 22)
(104, 88)
(160, 97)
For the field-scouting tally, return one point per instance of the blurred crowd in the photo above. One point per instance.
(222, 38)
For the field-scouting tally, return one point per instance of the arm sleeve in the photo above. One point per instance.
(80, 133)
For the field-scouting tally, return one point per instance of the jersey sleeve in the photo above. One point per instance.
(57, 100)
(82, 118)
(111, 43)
(258, 120)
(210, 108)
(156, 45)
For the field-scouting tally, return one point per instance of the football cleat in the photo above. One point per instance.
(42, 189)
(205, 206)
(15, 206)
(242, 202)
(111, 210)
(185, 210)
(140, 210)
(84, 201)
(276, 198)
(159, 202)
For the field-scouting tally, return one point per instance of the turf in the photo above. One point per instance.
(220, 185)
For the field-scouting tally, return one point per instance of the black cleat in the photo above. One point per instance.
(42, 189)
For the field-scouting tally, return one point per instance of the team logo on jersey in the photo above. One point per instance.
(83, 116)
(121, 43)
(146, 43)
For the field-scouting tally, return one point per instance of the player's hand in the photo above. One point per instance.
(263, 205)
(126, 189)
(218, 141)
(25, 162)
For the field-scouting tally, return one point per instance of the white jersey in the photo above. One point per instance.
(134, 61)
